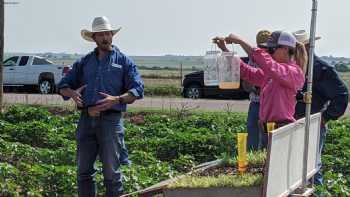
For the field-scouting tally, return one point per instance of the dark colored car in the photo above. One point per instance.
(194, 87)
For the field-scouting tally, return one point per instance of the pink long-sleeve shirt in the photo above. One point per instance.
(279, 83)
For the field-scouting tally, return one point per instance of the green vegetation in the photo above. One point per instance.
(162, 87)
(246, 180)
(336, 160)
(37, 149)
(202, 180)
(346, 77)
(342, 67)
(163, 74)
(164, 90)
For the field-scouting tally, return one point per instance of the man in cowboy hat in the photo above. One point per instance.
(329, 95)
(101, 83)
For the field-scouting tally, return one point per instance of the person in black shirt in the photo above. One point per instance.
(329, 96)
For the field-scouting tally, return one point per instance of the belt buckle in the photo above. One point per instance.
(97, 115)
(270, 126)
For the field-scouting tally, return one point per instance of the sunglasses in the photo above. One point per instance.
(272, 50)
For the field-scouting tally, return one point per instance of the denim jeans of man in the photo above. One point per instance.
(254, 134)
(124, 156)
(98, 136)
(318, 178)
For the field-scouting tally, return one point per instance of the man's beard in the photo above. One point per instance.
(105, 45)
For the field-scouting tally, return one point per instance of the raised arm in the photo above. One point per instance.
(255, 76)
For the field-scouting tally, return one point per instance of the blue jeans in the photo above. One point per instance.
(124, 157)
(98, 136)
(318, 178)
(254, 134)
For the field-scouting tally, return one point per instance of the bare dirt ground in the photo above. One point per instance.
(148, 103)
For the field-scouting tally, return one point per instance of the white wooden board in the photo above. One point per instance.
(283, 171)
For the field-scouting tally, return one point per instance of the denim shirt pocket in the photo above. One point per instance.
(89, 75)
(114, 76)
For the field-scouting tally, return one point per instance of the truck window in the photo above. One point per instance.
(40, 61)
(11, 61)
(24, 60)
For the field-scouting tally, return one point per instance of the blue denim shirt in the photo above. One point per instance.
(115, 75)
(329, 93)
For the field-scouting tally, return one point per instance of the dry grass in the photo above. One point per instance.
(162, 82)
(163, 74)
(246, 180)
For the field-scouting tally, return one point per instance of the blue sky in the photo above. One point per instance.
(158, 27)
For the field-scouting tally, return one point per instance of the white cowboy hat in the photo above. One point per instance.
(100, 24)
(303, 37)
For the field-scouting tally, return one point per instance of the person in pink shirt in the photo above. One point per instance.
(280, 75)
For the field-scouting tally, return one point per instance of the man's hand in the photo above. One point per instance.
(76, 96)
(107, 102)
(220, 42)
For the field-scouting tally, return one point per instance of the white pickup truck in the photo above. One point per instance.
(33, 71)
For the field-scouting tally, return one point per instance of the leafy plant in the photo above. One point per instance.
(37, 150)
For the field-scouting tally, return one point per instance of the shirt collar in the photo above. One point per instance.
(114, 49)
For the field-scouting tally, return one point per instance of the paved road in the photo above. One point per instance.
(148, 102)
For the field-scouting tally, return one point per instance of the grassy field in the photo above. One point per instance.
(164, 74)
(188, 62)
(163, 70)
(155, 78)
(169, 61)
(149, 82)
(346, 77)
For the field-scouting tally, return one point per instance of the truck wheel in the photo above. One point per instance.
(193, 92)
(46, 86)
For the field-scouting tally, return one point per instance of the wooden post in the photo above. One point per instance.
(2, 20)
(181, 74)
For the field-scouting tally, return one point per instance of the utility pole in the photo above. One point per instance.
(308, 95)
(2, 20)
(305, 190)
(2, 30)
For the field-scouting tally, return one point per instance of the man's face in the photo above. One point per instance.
(103, 40)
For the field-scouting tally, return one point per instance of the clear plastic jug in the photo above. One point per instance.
(229, 70)
(211, 69)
